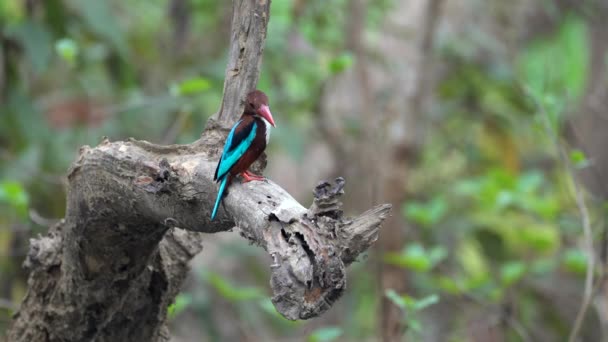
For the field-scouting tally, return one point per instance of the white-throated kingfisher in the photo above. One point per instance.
(245, 143)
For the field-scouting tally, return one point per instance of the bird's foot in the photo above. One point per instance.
(248, 177)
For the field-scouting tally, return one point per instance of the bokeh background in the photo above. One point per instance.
(484, 123)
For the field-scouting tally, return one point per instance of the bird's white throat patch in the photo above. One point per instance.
(268, 127)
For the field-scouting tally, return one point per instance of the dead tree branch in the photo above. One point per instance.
(110, 269)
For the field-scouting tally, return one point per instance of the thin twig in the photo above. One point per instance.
(588, 235)
(586, 222)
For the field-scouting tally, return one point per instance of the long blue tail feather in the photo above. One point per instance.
(220, 194)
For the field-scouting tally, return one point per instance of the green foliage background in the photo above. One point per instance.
(490, 202)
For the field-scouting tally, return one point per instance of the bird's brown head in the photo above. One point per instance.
(256, 104)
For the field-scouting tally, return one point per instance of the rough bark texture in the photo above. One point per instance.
(249, 24)
(108, 271)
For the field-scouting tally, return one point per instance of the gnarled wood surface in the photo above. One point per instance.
(110, 269)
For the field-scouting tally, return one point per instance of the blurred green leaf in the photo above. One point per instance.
(529, 182)
(231, 292)
(406, 302)
(341, 63)
(511, 272)
(182, 301)
(468, 186)
(325, 334)
(448, 284)
(266, 305)
(437, 254)
(426, 214)
(414, 325)
(557, 65)
(396, 299)
(190, 87)
(414, 256)
(11, 11)
(579, 159)
(504, 199)
(547, 207)
(542, 238)
(14, 195)
(575, 260)
(472, 261)
(424, 302)
(67, 49)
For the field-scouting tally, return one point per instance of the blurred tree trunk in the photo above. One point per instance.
(403, 150)
(384, 148)
(180, 12)
(355, 101)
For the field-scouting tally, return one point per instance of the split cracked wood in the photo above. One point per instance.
(101, 270)
(110, 269)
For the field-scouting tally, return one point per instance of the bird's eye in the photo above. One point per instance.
(251, 104)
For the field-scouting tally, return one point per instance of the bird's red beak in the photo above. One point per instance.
(264, 112)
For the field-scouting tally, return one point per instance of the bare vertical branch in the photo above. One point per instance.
(248, 34)
(585, 220)
(588, 236)
(587, 131)
(180, 12)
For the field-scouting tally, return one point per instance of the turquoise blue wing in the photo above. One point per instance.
(239, 140)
